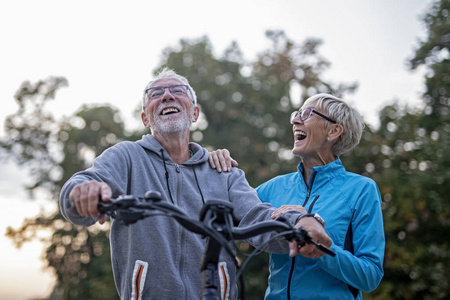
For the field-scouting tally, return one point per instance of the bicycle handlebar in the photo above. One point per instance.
(129, 209)
(215, 222)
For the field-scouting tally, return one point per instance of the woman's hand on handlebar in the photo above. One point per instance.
(317, 233)
(85, 196)
(221, 160)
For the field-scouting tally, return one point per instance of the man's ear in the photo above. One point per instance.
(145, 120)
(335, 131)
(196, 114)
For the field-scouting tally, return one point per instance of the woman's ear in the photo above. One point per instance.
(335, 132)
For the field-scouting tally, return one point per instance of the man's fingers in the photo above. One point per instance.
(85, 196)
(75, 197)
(83, 199)
(105, 192)
(92, 203)
(102, 218)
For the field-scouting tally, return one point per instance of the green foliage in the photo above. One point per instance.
(54, 150)
(32, 131)
(410, 165)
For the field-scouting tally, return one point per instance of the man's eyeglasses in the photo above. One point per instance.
(155, 93)
(306, 113)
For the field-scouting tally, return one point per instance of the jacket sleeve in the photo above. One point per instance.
(363, 269)
(109, 167)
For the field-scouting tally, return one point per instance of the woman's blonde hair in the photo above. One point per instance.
(345, 115)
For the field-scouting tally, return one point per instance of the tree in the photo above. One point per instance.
(54, 150)
(407, 158)
(424, 180)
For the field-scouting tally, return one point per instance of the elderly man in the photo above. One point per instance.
(156, 258)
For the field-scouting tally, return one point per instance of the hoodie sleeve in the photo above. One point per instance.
(249, 210)
(109, 167)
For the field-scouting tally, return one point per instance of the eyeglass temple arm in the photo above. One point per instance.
(325, 117)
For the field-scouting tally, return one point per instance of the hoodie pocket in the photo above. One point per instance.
(224, 279)
(138, 281)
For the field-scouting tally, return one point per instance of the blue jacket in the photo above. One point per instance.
(341, 198)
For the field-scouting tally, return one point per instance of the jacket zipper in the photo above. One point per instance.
(308, 192)
(312, 204)
(290, 278)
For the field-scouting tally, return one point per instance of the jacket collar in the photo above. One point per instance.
(323, 173)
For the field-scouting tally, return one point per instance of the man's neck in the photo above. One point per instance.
(176, 144)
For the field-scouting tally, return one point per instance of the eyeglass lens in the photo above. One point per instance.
(157, 92)
(304, 114)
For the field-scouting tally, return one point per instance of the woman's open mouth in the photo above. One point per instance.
(299, 135)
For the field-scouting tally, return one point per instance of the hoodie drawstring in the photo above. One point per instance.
(167, 175)
(167, 178)
(198, 185)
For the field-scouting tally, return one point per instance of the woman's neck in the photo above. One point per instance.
(309, 164)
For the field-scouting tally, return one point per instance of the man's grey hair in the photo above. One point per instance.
(349, 117)
(169, 73)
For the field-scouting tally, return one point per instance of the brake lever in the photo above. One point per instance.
(120, 208)
(304, 236)
(301, 236)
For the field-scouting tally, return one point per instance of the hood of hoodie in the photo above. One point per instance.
(149, 142)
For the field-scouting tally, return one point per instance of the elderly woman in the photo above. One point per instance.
(348, 205)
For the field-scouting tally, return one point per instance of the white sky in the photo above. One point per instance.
(108, 49)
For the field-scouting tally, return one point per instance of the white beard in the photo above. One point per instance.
(178, 124)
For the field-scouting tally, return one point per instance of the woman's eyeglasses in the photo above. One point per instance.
(304, 114)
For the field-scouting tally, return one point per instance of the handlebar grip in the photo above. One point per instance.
(103, 207)
(325, 250)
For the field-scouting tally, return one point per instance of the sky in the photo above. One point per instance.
(107, 50)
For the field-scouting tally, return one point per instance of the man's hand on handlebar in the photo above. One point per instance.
(85, 196)
(221, 160)
(318, 234)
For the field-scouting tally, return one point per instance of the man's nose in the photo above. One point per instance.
(167, 95)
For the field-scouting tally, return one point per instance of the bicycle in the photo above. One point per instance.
(215, 223)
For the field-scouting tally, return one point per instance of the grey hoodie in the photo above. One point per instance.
(156, 258)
